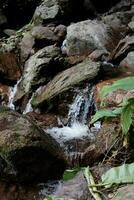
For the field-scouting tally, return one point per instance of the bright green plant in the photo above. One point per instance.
(125, 110)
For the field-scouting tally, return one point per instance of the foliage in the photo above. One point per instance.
(124, 110)
(124, 84)
(119, 175)
(70, 173)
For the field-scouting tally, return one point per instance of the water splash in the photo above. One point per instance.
(80, 107)
(12, 91)
(11, 96)
(77, 118)
(75, 131)
(28, 107)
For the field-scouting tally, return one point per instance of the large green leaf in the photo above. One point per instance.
(118, 175)
(126, 116)
(124, 84)
(104, 113)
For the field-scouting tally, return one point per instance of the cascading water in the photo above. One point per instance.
(12, 91)
(79, 108)
(77, 118)
(11, 95)
(28, 107)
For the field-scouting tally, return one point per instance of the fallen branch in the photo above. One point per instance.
(91, 182)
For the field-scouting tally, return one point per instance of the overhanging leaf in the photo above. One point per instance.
(124, 84)
(126, 119)
(119, 175)
(103, 113)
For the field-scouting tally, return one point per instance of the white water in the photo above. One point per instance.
(75, 131)
(28, 107)
(11, 96)
(80, 107)
(77, 117)
(12, 91)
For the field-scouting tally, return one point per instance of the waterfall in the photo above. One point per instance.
(77, 117)
(80, 107)
(28, 107)
(12, 91)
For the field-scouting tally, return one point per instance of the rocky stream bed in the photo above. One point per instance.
(55, 57)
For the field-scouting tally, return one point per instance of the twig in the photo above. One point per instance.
(90, 181)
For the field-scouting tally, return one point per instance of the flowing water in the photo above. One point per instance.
(28, 107)
(12, 92)
(77, 127)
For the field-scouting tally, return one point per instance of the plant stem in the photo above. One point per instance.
(90, 181)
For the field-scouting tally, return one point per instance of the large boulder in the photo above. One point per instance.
(27, 153)
(53, 10)
(36, 70)
(86, 36)
(47, 10)
(87, 70)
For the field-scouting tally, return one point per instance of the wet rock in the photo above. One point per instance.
(4, 94)
(102, 144)
(125, 192)
(30, 154)
(9, 67)
(26, 46)
(86, 36)
(45, 121)
(86, 70)
(75, 188)
(14, 191)
(37, 69)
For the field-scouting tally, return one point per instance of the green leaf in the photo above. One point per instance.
(124, 84)
(126, 116)
(70, 173)
(119, 175)
(103, 113)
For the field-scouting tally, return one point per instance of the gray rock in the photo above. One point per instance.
(86, 70)
(126, 192)
(26, 46)
(128, 62)
(48, 10)
(44, 33)
(75, 188)
(34, 71)
(28, 152)
(86, 36)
